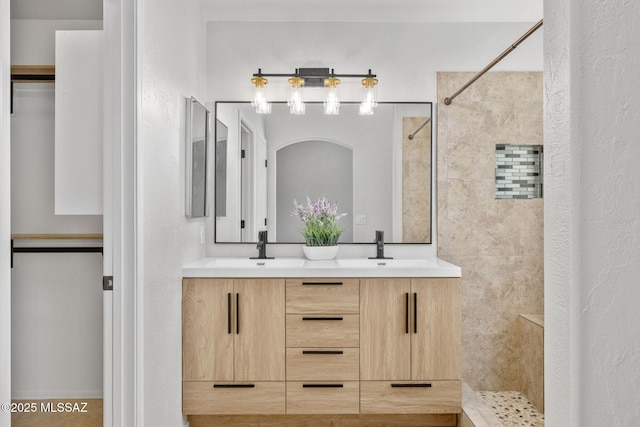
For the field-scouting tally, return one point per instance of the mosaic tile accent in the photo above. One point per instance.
(512, 408)
(518, 171)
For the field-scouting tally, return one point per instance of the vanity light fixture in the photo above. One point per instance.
(311, 78)
(331, 102)
(260, 98)
(370, 98)
(296, 101)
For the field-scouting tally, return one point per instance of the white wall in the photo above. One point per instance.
(172, 67)
(592, 200)
(405, 57)
(57, 298)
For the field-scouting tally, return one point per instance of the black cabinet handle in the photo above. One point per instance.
(412, 385)
(415, 313)
(406, 307)
(321, 283)
(229, 313)
(322, 352)
(237, 313)
(322, 385)
(322, 318)
(234, 385)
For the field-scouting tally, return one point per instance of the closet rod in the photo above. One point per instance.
(54, 249)
(447, 101)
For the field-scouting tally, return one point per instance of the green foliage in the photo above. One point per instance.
(320, 221)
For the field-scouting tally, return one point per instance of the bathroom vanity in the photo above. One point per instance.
(346, 338)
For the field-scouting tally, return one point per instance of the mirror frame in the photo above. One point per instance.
(431, 165)
(196, 159)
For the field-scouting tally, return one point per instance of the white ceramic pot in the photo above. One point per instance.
(318, 253)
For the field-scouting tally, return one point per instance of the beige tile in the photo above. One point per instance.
(498, 243)
(533, 85)
(471, 160)
(532, 362)
(442, 226)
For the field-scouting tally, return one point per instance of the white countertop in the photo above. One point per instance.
(299, 267)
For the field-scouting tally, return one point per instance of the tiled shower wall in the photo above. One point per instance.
(498, 243)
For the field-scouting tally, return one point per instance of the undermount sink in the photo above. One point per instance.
(381, 263)
(257, 263)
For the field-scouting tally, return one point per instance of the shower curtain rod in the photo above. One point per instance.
(426, 122)
(447, 101)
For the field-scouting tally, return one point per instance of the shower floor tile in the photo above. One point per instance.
(512, 408)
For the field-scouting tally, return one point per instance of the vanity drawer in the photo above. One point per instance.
(204, 397)
(323, 397)
(340, 330)
(410, 397)
(321, 364)
(322, 295)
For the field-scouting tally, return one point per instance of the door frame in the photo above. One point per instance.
(5, 211)
(123, 385)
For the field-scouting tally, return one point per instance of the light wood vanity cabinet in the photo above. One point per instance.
(233, 345)
(410, 345)
(322, 346)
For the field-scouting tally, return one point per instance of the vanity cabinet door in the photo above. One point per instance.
(233, 330)
(435, 329)
(207, 339)
(260, 334)
(385, 339)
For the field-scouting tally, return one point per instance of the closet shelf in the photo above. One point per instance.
(33, 73)
(56, 236)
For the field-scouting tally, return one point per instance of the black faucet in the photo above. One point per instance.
(379, 241)
(262, 246)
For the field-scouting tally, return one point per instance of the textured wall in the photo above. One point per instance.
(592, 246)
(498, 243)
(172, 68)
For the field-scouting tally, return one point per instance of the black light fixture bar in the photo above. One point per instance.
(313, 73)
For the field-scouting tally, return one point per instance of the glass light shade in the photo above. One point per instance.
(369, 100)
(365, 109)
(260, 101)
(296, 102)
(331, 102)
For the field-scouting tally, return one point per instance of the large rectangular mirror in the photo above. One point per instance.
(377, 168)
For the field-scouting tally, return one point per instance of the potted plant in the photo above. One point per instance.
(321, 231)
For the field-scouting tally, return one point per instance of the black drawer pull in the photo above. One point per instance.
(322, 318)
(234, 385)
(415, 313)
(237, 313)
(406, 310)
(322, 385)
(229, 313)
(321, 283)
(322, 352)
(412, 385)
